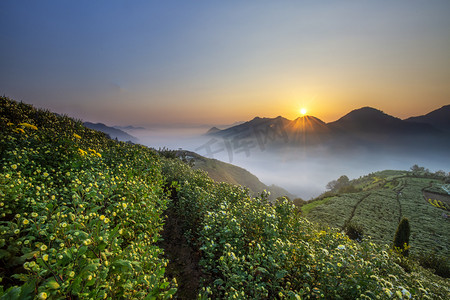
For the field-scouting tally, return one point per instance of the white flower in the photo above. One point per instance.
(405, 292)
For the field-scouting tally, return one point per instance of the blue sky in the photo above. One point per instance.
(217, 62)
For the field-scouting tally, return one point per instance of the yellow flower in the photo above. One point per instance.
(14, 166)
(76, 136)
(28, 126)
(82, 152)
(10, 124)
(25, 222)
(45, 257)
(43, 247)
(42, 296)
(72, 274)
(53, 284)
(98, 154)
(102, 217)
(19, 130)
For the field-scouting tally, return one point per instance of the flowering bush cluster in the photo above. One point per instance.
(77, 223)
(80, 217)
(255, 250)
(437, 203)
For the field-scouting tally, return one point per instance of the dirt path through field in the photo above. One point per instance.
(354, 209)
(183, 258)
(399, 193)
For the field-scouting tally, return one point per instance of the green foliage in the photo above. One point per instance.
(80, 214)
(252, 249)
(306, 208)
(299, 202)
(380, 212)
(168, 153)
(354, 231)
(417, 170)
(439, 264)
(341, 182)
(401, 238)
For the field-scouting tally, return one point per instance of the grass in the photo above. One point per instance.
(399, 195)
(309, 206)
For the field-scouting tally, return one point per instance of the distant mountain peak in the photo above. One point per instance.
(112, 132)
(310, 119)
(213, 130)
(366, 113)
(439, 118)
(368, 120)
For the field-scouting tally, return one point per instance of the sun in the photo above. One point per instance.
(303, 111)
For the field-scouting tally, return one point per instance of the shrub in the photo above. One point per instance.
(354, 231)
(440, 265)
(80, 214)
(401, 239)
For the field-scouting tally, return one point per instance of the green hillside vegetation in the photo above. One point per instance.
(82, 217)
(383, 198)
(225, 172)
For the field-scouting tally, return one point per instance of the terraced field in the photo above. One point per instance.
(383, 201)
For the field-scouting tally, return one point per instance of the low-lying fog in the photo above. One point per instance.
(302, 172)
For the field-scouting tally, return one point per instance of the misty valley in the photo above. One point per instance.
(357, 208)
(305, 154)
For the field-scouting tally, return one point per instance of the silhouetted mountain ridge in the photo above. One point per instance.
(439, 118)
(368, 120)
(112, 132)
(365, 127)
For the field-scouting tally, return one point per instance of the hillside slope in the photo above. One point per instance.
(80, 214)
(385, 198)
(225, 172)
(81, 217)
(112, 132)
(439, 118)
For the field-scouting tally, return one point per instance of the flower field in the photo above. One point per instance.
(81, 216)
(80, 213)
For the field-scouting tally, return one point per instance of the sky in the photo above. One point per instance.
(149, 63)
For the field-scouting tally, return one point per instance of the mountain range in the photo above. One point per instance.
(114, 133)
(364, 127)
